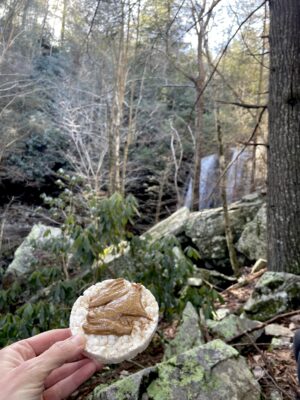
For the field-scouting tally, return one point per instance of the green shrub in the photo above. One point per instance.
(162, 267)
(43, 300)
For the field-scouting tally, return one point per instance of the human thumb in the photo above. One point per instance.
(59, 354)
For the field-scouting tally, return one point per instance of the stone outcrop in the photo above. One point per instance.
(232, 325)
(173, 225)
(207, 231)
(274, 293)
(253, 240)
(188, 334)
(24, 259)
(211, 371)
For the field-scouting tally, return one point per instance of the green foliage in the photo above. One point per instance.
(31, 319)
(43, 299)
(203, 297)
(40, 156)
(104, 222)
(162, 268)
(45, 309)
(22, 289)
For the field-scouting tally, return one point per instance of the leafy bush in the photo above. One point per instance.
(28, 308)
(162, 267)
(40, 156)
(43, 300)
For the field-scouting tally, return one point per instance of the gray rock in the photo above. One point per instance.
(232, 325)
(277, 330)
(128, 388)
(253, 240)
(211, 371)
(173, 225)
(206, 228)
(24, 258)
(281, 342)
(274, 293)
(188, 334)
(196, 282)
(221, 313)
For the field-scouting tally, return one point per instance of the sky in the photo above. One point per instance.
(221, 27)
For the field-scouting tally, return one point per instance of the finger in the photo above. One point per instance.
(63, 372)
(64, 388)
(43, 341)
(57, 355)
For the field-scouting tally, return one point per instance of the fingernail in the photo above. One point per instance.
(79, 340)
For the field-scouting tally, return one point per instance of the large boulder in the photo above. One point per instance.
(206, 228)
(274, 293)
(25, 255)
(211, 371)
(253, 240)
(173, 225)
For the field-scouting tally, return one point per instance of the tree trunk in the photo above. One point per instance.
(198, 123)
(284, 138)
(258, 101)
(63, 23)
(228, 232)
(117, 110)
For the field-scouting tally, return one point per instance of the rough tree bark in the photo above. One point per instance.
(284, 138)
(199, 106)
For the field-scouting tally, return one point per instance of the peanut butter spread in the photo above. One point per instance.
(115, 309)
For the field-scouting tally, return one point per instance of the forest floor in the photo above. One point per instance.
(275, 369)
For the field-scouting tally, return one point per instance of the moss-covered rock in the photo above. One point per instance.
(129, 388)
(214, 371)
(274, 293)
(188, 334)
(253, 240)
(232, 325)
(206, 228)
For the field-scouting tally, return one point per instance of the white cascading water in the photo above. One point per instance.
(238, 176)
(237, 185)
(209, 175)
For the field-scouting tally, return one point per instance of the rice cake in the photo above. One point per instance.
(118, 318)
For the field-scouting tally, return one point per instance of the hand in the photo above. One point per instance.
(49, 366)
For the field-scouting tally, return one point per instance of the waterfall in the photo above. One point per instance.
(238, 175)
(208, 180)
(238, 180)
